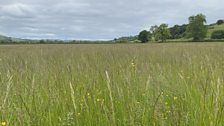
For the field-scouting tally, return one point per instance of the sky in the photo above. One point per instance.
(97, 19)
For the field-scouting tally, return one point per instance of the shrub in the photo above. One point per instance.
(218, 34)
(219, 22)
(144, 36)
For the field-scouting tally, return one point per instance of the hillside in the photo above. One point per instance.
(4, 38)
(212, 28)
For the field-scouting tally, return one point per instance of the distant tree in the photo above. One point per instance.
(219, 22)
(152, 30)
(197, 28)
(160, 33)
(42, 41)
(218, 34)
(144, 36)
(177, 31)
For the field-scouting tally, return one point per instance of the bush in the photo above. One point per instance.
(144, 36)
(218, 34)
(219, 22)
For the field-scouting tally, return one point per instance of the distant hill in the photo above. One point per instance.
(4, 38)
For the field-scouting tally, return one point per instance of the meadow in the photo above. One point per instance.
(171, 84)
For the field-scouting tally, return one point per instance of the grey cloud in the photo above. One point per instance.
(96, 19)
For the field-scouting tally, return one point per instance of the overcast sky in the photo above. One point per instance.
(97, 19)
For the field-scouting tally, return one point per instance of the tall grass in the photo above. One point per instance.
(102, 85)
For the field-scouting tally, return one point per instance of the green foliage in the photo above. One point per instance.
(178, 31)
(42, 41)
(160, 33)
(144, 36)
(126, 39)
(218, 34)
(213, 28)
(197, 28)
(219, 22)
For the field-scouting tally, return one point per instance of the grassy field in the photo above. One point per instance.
(114, 84)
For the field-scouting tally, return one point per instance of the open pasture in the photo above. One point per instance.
(112, 84)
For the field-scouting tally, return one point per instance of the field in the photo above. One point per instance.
(112, 84)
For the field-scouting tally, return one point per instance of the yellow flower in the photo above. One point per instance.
(88, 95)
(174, 98)
(133, 64)
(166, 103)
(3, 123)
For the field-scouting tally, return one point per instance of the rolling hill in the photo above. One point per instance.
(4, 38)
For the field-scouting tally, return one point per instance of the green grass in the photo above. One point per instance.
(116, 84)
(213, 28)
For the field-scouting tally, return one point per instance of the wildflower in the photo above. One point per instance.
(88, 95)
(166, 103)
(3, 123)
(133, 64)
(174, 98)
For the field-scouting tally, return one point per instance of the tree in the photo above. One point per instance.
(42, 41)
(219, 22)
(152, 30)
(144, 36)
(160, 32)
(177, 31)
(197, 28)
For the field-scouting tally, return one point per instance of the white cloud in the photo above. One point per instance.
(16, 9)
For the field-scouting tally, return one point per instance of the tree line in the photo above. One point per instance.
(196, 29)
